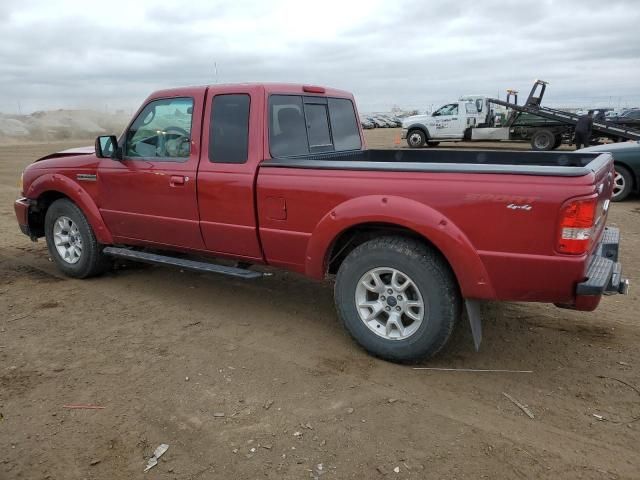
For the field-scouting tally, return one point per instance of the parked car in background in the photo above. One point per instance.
(630, 117)
(626, 158)
(367, 124)
(395, 121)
(631, 113)
(381, 122)
(378, 123)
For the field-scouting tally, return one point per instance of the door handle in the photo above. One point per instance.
(176, 180)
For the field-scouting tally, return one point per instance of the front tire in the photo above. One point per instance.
(71, 241)
(623, 183)
(416, 138)
(397, 298)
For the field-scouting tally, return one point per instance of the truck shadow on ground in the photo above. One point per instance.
(514, 334)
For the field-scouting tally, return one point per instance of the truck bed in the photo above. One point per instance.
(565, 164)
(503, 206)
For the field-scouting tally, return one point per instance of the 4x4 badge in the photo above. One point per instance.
(513, 206)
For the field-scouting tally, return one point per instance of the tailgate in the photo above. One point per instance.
(604, 183)
(603, 274)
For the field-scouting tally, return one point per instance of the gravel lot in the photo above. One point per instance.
(249, 380)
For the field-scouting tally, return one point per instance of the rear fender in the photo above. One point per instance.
(53, 182)
(422, 219)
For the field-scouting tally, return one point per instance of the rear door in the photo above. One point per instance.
(232, 149)
(149, 197)
(299, 125)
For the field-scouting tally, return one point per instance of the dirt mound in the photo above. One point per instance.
(60, 125)
(13, 128)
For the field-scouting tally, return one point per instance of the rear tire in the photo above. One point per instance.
(623, 184)
(416, 138)
(543, 140)
(71, 241)
(384, 316)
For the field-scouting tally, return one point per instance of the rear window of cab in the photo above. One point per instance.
(303, 125)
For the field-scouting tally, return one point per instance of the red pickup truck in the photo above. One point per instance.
(278, 175)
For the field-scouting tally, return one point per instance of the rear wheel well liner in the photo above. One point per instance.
(350, 238)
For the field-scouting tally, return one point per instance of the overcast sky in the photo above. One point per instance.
(415, 53)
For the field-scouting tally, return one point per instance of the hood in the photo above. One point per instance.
(416, 119)
(612, 147)
(71, 152)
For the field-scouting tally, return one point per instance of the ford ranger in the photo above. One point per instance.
(278, 175)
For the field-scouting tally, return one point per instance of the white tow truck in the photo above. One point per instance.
(448, 123)
(481, 118)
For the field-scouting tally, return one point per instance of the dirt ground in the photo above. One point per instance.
(249, 380)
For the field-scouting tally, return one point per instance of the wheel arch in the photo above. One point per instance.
(635, 178)
(419, 126)
(357, 220)
(50, 187)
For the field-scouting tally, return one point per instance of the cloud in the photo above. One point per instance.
(415, 54)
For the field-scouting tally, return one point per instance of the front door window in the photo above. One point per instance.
(161, 131)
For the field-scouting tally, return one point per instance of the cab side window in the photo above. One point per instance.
(162, 131)
(302, 125)
(346, 134)
(287, 127)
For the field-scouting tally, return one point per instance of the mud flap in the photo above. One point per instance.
(473, 312)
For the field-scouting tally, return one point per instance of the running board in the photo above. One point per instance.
(165, 260)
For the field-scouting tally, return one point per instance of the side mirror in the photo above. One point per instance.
(107, 147)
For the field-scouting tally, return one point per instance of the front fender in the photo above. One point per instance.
(54, 182)
(432, 225)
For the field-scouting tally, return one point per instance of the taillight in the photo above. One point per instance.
(577, 222)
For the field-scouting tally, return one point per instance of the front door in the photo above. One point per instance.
(149, 197)
(448, 123)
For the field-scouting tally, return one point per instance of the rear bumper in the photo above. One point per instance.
(604, 274)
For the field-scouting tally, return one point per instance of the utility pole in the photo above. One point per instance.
(215, 67)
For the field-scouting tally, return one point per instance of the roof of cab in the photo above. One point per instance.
(281, 88)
